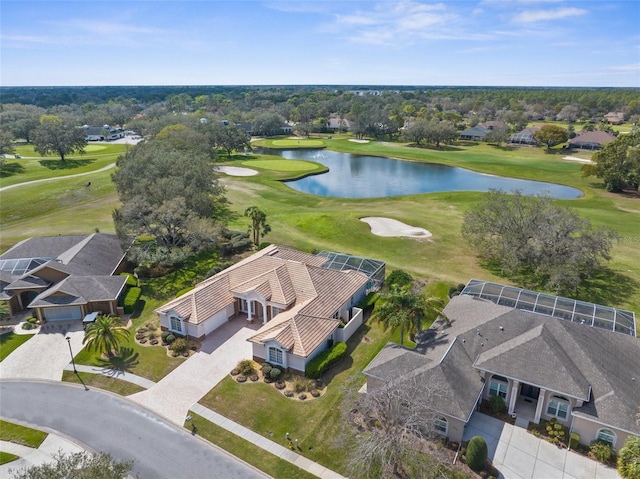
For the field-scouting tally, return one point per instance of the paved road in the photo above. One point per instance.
(105, 422)
(104, 168)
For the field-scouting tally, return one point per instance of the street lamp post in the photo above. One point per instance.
(71, 353)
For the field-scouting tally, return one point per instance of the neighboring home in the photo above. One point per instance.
(494, 124)
(475, 133)
(614, 118)
(590, 140)
(525, 137)
(64, 277)
(546, 356)
(337, 123)
(305, 302)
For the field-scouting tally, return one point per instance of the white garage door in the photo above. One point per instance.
(63, 313)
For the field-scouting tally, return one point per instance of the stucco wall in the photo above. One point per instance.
(588, 431)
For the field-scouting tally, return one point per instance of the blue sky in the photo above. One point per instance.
(413, 42)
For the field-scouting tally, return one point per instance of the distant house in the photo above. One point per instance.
(614, 118)
(301, 300)
(103, 133)
(591, 140)
(63, 277)
(337, 123)
(475, 133)
(525, 137)
(494, 124)
(547, 357)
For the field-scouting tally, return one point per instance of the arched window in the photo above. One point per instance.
(608, 436)
(441, 425)
(498, 386)
(558, 407)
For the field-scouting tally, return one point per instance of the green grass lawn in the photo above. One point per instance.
(10, 341)
(292, 143)
(318, 423)
(282, 165)
(32, 166)
(117, 386)
(245, 450)
(23, 435)
(6, 457)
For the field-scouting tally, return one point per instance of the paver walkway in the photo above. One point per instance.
(50, 447)
(174, 394)
(518, 454)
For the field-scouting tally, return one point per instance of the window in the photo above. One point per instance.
(498, 386)
(175, 324)
(244, 306)
(275, 311)
(608, 436)
(275, 356)
(558, 406)
(440, 425)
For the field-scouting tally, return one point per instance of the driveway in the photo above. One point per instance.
(518, 454)
(45, 355)
(173, 395)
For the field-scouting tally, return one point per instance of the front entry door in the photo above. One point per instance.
(529, 391)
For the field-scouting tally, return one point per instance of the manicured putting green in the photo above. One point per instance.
(89, 148)
(303, 142)
(280, 165)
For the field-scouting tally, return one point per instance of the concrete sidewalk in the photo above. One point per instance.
(518, 454)
(50, 447)
(113, 373)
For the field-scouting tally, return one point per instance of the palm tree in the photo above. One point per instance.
(106, 334)
(259, 226)
(401, 307)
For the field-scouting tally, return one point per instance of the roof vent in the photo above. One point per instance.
(501, 328)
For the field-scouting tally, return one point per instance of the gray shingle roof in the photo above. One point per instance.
(562, 356)
(81, 290)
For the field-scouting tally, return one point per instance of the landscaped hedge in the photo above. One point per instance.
(132, 282)
(325, 359)
(477, 453)
(130, 299)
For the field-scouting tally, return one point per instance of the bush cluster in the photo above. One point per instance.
(601, 451)
(132, 282)
(28, 326)
(131, 298)
(246, 367)
(179, 346)
(325, 359)
(497, 405)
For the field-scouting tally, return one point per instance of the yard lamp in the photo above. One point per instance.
(71, 353)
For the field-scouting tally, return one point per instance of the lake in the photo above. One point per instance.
(359, 176)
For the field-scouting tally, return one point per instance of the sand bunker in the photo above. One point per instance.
(575, 158)
(358, 141)
(389, 227)
(235, 170)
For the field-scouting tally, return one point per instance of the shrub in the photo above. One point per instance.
(601, 451)
(263, 245)
(629, 459)
(325, 359)
(180, 346)
(169, 338)
(131, 298)
(274, 373)
(368, 302)
(27, 326)
(399, 278)
(246, 367)
(477, 453)
(266, 368)
(497, 405)
(574, 440)
(165, 334)
(300, 384)
(132, 282)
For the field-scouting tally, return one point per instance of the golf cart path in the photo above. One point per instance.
(104, 168)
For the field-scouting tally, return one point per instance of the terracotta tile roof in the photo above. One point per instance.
(285, 277)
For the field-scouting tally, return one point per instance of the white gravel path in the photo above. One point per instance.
(390, 227)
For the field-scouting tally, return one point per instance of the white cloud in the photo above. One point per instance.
(627, 68)
(530, 16)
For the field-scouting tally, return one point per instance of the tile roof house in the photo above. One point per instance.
(591, 140)
(301, 301)
(543, 366)
(614, 117)
(63, 277)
